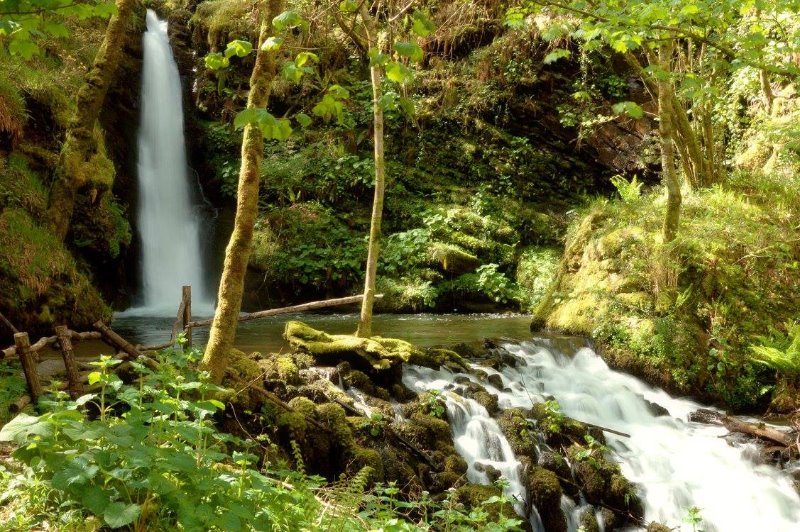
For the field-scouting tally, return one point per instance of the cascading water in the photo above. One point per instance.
(168, 224)
(675, 463)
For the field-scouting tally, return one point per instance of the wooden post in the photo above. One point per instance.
(23, 344)
(187, 314)
(65, 340)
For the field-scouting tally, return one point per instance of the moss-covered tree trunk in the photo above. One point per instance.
(665, 109)
(376, 72)
(82, 149)
(237, 254)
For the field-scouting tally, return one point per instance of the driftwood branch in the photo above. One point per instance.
(313, 305)
(8, 324)
(742, 427)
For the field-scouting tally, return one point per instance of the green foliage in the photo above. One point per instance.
(22, 22)
(434, 404)
(152, 456)
(780, 352)
(629, 191)
(693, 517)
(553, 418)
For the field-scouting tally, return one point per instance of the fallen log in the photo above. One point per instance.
(19, 404)
(733, 424)
(117, 341)
(313, 305)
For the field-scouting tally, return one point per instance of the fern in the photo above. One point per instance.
(782, 354)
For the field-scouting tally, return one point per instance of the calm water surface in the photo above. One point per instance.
(266, 335)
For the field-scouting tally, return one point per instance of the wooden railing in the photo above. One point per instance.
(64, 337)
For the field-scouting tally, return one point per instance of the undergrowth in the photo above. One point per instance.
(147, 455)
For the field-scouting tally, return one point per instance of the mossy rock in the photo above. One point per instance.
(519, 432)
(544, 491)
(473, 496)
(453, 259)
(373, 355)
(603, 484)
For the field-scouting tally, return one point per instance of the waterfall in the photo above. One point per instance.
(676, 464)
(168, 224)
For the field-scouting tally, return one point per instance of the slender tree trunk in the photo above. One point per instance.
(766, 88)
(365, 323)
(665, 108)
(75, 164)
(237, 254)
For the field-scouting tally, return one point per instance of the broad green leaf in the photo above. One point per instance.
(24, 425)
(272, 44)
(631, 109)
(291, 72)
(95, 498)
(303, 119)
(216, 61)
(377, 58)
(23, 48)
(83, 399)
(247, 116)
(407, 106)
(304, 57)
(238, 48)
(338, 92)
(422, 25)
(388, 101)
(348, 6)
(286, 20)
(118, 514)
(555, 55)
(398, 73)
(411, 50)
(515, 18)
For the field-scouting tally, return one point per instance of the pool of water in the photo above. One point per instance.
(266, 335)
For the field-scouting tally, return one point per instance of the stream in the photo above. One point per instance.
(674, 463)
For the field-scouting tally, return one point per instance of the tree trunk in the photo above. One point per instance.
(78, 159)
(766, 88)
(665, 109)
(237, 254)
(365, 323)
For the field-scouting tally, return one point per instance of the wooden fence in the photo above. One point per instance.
(64, 337)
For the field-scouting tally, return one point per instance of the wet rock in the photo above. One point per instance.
(556, 463)
(588, 521)
(655, 408)
(519, 432)
(496, 381)
(658, 527)
(602, 482)
(491, 472)
(545, 493)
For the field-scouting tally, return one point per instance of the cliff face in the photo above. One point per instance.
(42, 281)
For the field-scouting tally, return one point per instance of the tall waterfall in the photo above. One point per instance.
(676, 464)
(168, 224)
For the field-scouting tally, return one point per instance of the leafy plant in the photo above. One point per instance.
(553, 417)
(629, 191)
(781, 352)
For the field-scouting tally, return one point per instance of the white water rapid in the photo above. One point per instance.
(168, 224)
(675, 464)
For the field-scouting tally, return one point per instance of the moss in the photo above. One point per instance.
(280, 367)
(12, 112)
(225, 20)
(519, 433)
(371, 354)
(545, 493)
(588, 521)
(36, 271)
(473, 496)
(454, 259)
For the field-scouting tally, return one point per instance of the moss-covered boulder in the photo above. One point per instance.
(380, 358)
(544, 491)
(603, 484)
